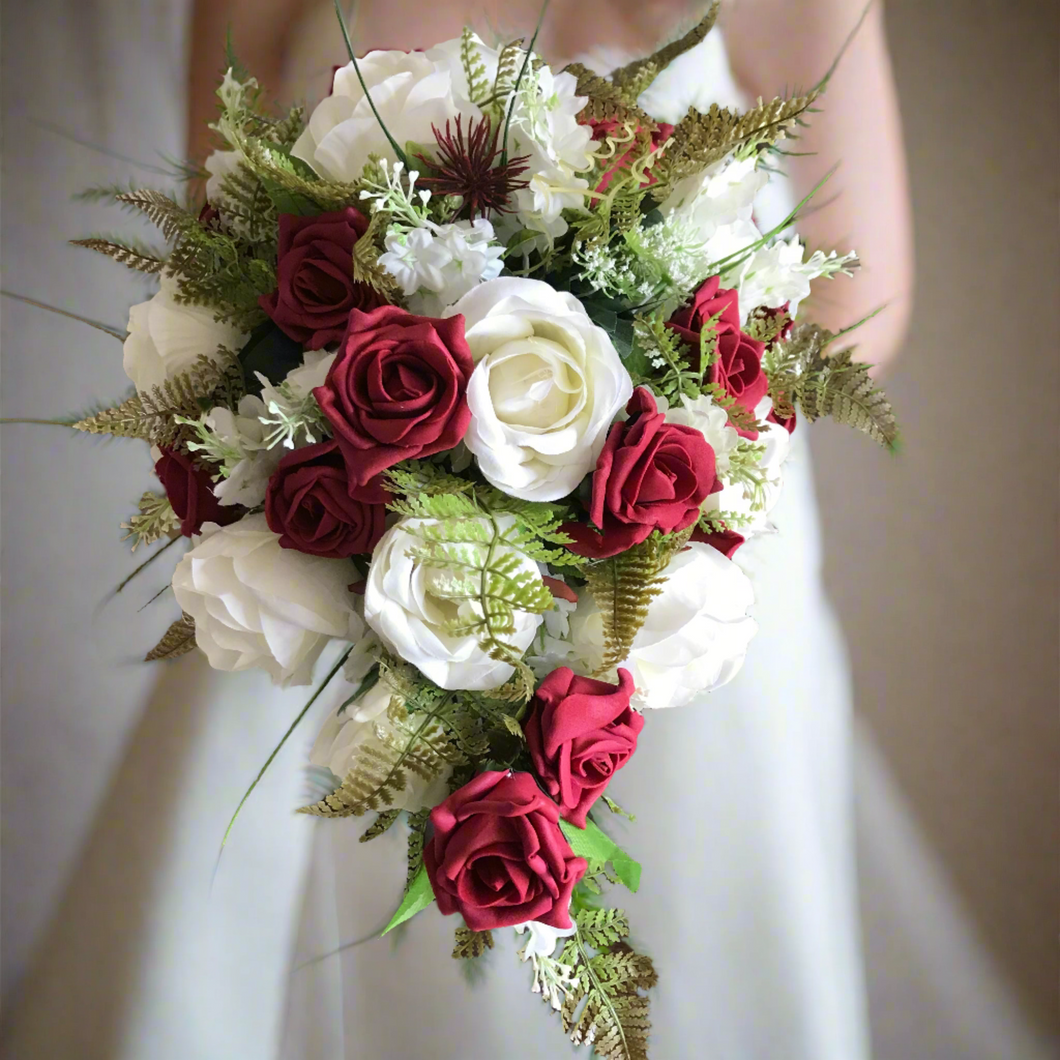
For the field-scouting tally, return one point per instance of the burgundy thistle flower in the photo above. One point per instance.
(465, 167)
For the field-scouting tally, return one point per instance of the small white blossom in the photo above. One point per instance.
(552, 979)
(291, 412)
(436, 265)
(777, 274)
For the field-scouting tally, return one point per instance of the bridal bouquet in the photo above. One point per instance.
(486, 374)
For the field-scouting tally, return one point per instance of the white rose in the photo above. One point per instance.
(411, 91)
(257, 604)
(696, 635)
(547, 385)
(365, 726)
(406, 603)
(166, 338)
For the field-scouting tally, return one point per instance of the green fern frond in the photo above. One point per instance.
(468, 944)
(606, 1003)
(508, 61)
(829, 384)
(636, 76)
(701, 139)
(379, 771)
(131, 255)
(381, 824)
(154, 520)
(178, 640)
(478, 85)
(153, 414)
(623, 587)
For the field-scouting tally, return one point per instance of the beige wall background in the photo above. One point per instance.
(943, 562)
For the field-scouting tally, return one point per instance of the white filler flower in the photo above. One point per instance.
(257, 604)
(696, 635)
(438, 265)
(547, 385)
(405, 602)
(166, 338)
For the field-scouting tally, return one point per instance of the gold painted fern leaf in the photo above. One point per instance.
(178, 640)
(124, 253)
(605, 1001)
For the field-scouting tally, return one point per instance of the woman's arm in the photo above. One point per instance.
(778, 43)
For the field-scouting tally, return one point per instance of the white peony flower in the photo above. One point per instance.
(712, 422)
(720, 195)
(696, 635)
(166, 338)
(405, 603)
(257, 604)
(546, 387)
(364, 726)
(438, 265)
(411, 91)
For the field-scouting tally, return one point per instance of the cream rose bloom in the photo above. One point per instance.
(405, 604)
(410, 90)
(257, 604)
(364, 725)
(547, 385)
(696, 635)
(166, 338)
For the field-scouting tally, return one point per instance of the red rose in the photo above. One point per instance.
(310, 504)
(651, 475)
(397, 389)
(725, 541)
(602, 129)
(315, 289)
(498, 856)
(738, 367)
(580, 733)
(190, 493)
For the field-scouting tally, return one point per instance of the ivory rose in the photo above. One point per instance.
(546, 387)
(257, 604)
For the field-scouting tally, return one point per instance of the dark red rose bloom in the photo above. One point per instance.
(651, 475)
(498, 856)
(602, 129)
(580, 732)
(315, 289)
(788, 423)
(397, 389)
(190, 492)
(738, 368)
(725, 541)
(310, 504)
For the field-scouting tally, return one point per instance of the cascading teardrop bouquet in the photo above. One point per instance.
(475, 380)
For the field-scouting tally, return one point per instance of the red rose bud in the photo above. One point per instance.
(190, 493)
(580, 732)
(498, 857)
(397, 389)
(738, 367)
(651, 475)
(315, 289)
(311, 505)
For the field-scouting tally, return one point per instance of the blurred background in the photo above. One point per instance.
(942, 562)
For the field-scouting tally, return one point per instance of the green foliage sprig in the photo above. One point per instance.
(154, 520)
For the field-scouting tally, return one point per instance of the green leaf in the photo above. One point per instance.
(416, 899)
(594, 845)
(287, 201)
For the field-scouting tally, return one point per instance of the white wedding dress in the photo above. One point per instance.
(742, 806)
